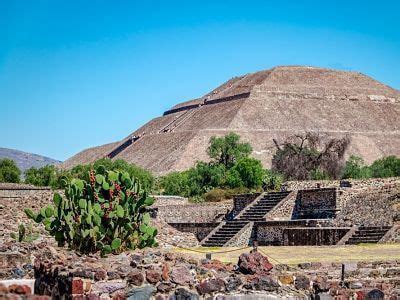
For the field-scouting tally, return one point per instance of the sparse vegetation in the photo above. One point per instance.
(105, 213)
(9, 172)
(25, 234)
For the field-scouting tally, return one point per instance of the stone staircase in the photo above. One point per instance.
(224, 233)
(367, 235)
(254, 212)
(257, 211)
(121, 147)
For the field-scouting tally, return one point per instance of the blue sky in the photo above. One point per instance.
(75, 74)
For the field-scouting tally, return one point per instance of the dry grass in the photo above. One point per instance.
(301, 254)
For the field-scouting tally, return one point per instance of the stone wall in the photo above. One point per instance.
(355, 183)
(315, 204)
(12, 190)
(313, 236)
(284, 209)
(200, 230)
(270, 233)
(370, 207)
(161, 200)
(243, 200)
(194, 213)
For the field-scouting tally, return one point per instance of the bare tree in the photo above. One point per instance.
(307, 156)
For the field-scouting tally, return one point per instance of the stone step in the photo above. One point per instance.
(227, 232)
(215, 239)
(256, 211)
(224, 234)
(232, 227)
(260, 207)
(365, 238)
(374, 227)
(370, 234)
(358, 241)
(256, 208)
(372, 230)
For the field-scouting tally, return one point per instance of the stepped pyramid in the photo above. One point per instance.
(262, 106)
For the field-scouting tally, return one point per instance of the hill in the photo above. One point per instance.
(26, 160)
(262, 106)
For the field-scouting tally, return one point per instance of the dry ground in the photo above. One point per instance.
(301, 254)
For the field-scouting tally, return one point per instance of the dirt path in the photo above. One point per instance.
(301, 254)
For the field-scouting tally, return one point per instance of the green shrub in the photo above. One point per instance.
(319, 174)
(272, 180)
(9, 172)
(145, 177)
(204, 177)
(228, 149)
(356, 168)
(175, 183)
(107, 213)
(247, 172)
(386, 167)
(25, 234)
(44, 176)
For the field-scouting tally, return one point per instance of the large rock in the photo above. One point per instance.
(182, 294)
(262, 283)
(211, 286)
(232, 283)
(181, 275)
(141, 293)
(254, 263)
(375, 295)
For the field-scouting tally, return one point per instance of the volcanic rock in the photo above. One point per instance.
(254, 263)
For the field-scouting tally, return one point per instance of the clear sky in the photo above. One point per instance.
(75, 74)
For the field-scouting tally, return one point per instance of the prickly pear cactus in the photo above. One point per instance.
(106, 214)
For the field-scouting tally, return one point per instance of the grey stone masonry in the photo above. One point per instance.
(252, 213)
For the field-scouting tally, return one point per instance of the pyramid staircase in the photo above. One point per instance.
(121, 147)
(252, 213)
(365, 234)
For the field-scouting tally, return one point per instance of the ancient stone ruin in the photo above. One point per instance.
(263, 106)
(304, 213)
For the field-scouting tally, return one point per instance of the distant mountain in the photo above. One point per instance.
(26, 160)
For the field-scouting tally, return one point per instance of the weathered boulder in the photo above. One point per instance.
(181, 275)
(152, 276)
(136, 277)
(141, 293)
(375, 295)
(211, 286)
(302, 282)
(261, 283)
(182, 294)
(254, 263)
(232, 283)
(165, 287)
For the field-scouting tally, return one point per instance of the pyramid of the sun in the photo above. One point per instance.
(263, 106)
